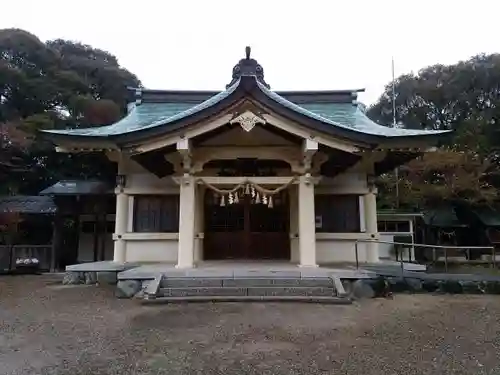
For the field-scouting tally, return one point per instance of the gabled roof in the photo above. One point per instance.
(443, 217)
(27, 204)
(77, 187)
(160, 112)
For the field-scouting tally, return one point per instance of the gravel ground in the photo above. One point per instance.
(46, 328)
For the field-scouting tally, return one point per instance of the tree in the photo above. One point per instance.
(57, 84)
(464, 97)
(443, 97)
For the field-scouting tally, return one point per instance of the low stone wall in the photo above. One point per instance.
(89, 278)
(388, 285)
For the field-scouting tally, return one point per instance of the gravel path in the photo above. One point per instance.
(46, 328)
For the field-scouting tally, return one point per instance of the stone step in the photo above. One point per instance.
(256, 291)
(245, 282)
(310, 299)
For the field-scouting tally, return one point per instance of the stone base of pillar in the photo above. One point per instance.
(184, 267)
(120, 251)
(308, 265)
(372, 255)
(294, 250)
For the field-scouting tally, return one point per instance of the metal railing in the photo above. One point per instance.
(436, 249)
(9, 254)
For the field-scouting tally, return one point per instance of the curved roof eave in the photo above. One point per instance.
(246, 86)
(368, 128)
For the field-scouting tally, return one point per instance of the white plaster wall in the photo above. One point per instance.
(346, 183)
(340, 247)
(144, 181)
(336, 250)
(152, 251)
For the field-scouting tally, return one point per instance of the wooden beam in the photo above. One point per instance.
(310, 148)
(216, 180)
(184, 148)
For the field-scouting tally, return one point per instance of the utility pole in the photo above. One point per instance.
(394, 125)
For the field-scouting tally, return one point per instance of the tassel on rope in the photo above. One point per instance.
(270, 203)
(258, 193)
(264, 199)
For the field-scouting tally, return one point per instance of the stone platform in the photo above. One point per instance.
(272, 281)
(105, 272)
(238, 281)
(103, 266)
(240, 269)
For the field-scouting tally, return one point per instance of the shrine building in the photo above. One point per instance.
(247, 173)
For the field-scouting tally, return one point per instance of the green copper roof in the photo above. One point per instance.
(150, 115)
(345, 115)
(147, 115)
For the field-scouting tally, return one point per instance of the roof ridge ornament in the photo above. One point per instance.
(248, 67)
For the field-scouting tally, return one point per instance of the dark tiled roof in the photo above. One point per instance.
(196, 97)
(346, 116)
(77, 187)
(26, 204)
(488, 216)
(444, 217)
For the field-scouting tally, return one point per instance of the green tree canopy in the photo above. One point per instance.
(464, 97)
(55, 84)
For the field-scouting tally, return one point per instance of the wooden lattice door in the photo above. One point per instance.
(246, 230)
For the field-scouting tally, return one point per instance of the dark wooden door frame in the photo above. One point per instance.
(246, 244)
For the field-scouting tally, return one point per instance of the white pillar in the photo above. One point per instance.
(307, 228)
(372, 254)
(294, 224)
(199, 224)
(121, 224)
(185, 254)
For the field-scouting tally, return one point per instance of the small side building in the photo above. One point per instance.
(85, 220)
(397, 226)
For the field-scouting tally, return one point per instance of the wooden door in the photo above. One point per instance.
(269, 231)
(224, 230)
(246, 230)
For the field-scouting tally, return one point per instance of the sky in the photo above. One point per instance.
(302, 45)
